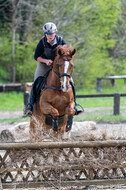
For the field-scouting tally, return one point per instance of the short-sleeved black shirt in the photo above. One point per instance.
(46, 50)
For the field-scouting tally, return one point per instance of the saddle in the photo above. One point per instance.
(39, 85)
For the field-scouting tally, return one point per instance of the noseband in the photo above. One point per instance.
(57, 66)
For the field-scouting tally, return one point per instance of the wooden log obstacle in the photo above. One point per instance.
(64, 164)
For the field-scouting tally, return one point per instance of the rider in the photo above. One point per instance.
(45, 53)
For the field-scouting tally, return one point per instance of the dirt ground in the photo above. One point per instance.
(86, 130)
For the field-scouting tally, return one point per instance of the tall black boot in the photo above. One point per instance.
(77, 111)
(30, 106)
(34, 95)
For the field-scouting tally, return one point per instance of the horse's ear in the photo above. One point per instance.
(73, 52)
(59, 52)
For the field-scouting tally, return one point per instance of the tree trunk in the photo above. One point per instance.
(15, 4)
(13, 54)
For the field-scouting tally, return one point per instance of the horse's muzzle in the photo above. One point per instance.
(64, 86)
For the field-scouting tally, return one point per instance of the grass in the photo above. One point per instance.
(102, 116)
(100, 102)
(13, 120)
(13, 101)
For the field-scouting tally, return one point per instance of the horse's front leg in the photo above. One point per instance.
(47, 108)
(71, 110)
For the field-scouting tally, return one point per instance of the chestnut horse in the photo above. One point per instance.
(57, 99)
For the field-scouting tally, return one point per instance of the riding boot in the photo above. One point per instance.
(30, 106)
(77, 111)
(34, 96)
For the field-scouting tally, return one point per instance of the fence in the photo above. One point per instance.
(18, 87)
(63, 164)
(111, 78)
(116, 96)
(26, 88)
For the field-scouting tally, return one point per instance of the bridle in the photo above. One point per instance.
(57, 67)
(58, 74)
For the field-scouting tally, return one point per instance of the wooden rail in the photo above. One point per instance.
(111, 78)
(18, 87)
(99, 95)
(52, 145)
(26, 88)
(116, 96)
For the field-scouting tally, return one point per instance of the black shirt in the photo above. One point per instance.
(45, 50)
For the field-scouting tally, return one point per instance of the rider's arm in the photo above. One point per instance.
(39, 52)
(46, 61)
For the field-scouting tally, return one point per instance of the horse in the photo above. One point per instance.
(57, 98)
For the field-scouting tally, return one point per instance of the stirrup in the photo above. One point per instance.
(29, 110)
(78, 111)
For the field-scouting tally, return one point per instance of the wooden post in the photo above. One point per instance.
(116, 104)
(26, 98)
(99, 86)
(113, 82)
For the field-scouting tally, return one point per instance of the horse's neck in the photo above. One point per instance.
(53, 80)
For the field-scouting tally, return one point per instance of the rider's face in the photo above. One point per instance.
(51, 37)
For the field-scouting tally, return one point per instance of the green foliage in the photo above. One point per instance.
(11, 101)
(99, 20)
(95, 28)
(25, 63)
(5, 56)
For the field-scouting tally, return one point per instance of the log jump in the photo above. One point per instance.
(66, 163)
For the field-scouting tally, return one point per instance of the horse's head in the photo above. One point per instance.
(64, 64)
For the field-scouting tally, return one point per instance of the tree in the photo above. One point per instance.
(20, 14)
(88, 25)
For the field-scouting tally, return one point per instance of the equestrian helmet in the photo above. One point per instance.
(49, 28)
